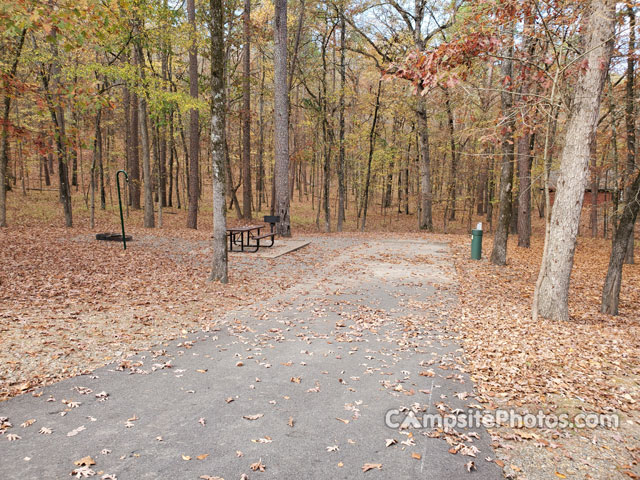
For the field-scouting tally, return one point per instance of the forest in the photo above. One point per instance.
(382, 134)
(427, 116)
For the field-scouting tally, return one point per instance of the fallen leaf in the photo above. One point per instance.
(28, 423)
(203, 456)
(371, 466)
(258, 466)
(85, 462)
(253, 417)
(417, 456)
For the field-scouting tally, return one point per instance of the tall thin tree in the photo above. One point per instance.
(499, 252)
(218, 155)
(246, 111)
(281, 120)
(551, 296)
(194, 121)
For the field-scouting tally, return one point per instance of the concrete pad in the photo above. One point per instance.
(280, 247)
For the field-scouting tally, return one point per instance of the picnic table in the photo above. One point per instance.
(248, 237)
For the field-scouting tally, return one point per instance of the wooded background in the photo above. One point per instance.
(424, 114)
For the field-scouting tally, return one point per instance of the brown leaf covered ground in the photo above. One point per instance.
(69, 303)
(590, 363)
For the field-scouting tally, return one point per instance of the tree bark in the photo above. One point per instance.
(341, 106)
(499, 252)
(149, 216)
(246, 113)
(134, 163)
(630, 122)
(218, 156)
(426, 218)
(454, 157)
(551, 298)
(372, 143)
(281, 120)
(611, 290)
(4, 138)
(194, 121)
(525, 159)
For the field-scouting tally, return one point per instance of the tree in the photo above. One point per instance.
(149, 216)
(630, 121)
(341, 104)
(551, 296)
(281, 120)
(246, 112)
(524, 158)
(218, 154)
(499, 252)
(194, 121)
(7, 86)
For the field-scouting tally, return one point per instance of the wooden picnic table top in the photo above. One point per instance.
(247, 228)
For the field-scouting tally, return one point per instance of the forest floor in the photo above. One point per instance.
(69, 305)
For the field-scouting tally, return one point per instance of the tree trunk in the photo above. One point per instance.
(134, 163)
(281, 120)
(525, 145)
(218, 156)
(149, 216)
(551, 297)
(194, 121)
(611, 290)
(499, 253)
(454, 157)
(246, 113)
(4, 138)
(630, 122)
(341, 106)
(426, 218)
(260, 181)
(372, 143)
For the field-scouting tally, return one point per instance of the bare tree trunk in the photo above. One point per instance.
(630, 121)
(281, 120)
(341, 105)
(551, 298)
(149, 215)
(499, 253)
(372, 143)
(134, 163)
(97, 154)
(246, 113)
(4, 138)
(194, 122)
(611, 290)
(260, 181)
(218, 156)
(454, 157)
(524, 150)
(594, 188)
(426, 197)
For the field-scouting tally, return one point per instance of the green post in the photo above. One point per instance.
(124, 238)
(476, 244)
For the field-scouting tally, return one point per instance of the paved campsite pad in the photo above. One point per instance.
(279, 248)
(330, 356)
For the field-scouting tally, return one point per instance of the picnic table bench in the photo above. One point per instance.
(248, 237)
